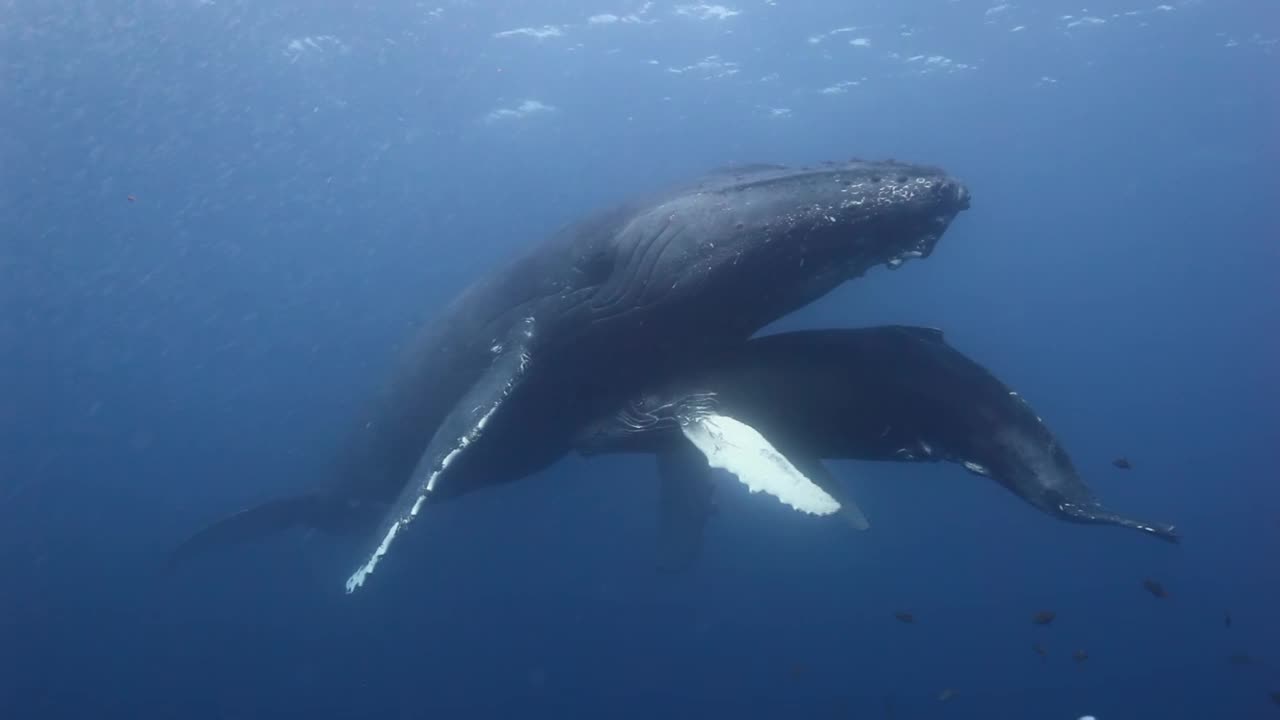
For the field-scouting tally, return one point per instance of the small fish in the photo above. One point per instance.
(131, 197)
(1122, 463)
(1275, 697)
(1079, 656)
(1226, 619)
(1241, 658)
(905, 617)
(1155, 588)
(1044, 617)
(1040, 650)
(946, 695)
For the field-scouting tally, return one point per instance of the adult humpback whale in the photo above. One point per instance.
(892, 393)
(499, 386)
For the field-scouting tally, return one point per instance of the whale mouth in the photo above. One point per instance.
(1098, 515)
(950, 197)
(922, 243)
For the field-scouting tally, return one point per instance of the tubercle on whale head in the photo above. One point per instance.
(773, 239)
(891, 211)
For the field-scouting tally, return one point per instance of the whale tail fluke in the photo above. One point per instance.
(319, 511)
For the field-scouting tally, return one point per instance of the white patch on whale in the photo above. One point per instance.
(740, 449)
(418, 490)
(357, 578)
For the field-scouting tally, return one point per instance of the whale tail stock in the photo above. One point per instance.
(313, 510)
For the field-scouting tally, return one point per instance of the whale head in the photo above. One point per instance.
(1039, 471)
(766, 240)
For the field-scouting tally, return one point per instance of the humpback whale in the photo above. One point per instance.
(501, 383)
(889, 393)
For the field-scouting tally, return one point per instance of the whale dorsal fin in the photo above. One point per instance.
(742, 168)
(929, 334)
(461, 428)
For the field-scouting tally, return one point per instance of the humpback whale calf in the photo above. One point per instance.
(500, 384)
(890, 393)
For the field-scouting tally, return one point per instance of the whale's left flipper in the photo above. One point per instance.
(463, 426)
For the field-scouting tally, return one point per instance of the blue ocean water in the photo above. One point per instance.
(221, 219)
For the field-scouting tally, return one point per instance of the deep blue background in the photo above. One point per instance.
(309, 182)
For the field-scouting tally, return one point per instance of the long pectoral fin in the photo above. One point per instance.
(459, 431)
(817, 471)
(1102, 516)
(685, 503)
(739, 448)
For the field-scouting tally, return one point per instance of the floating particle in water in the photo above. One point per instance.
(1155, 588)
(1079, 656)
(1226, 619)
(1044, 617)
(905, 617)
(946, 695)
(1040, 650)
(1122, 463)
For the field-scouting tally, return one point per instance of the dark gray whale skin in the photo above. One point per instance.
(500, 384)
(889, 393)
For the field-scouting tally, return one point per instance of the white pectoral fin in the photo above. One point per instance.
(816, 471)
(460, 430)
(740, 449)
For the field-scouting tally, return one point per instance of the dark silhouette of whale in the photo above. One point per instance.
(891, 393)
(500, 385)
